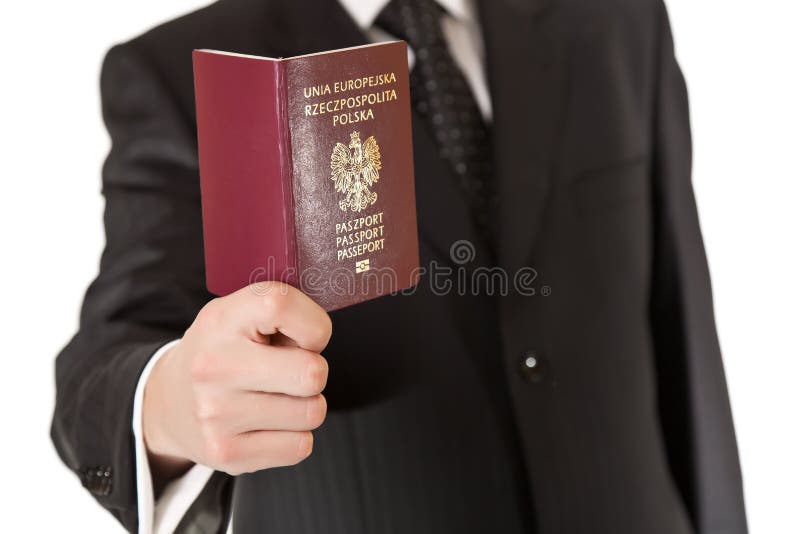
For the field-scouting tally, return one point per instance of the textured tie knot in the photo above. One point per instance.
(417, 22)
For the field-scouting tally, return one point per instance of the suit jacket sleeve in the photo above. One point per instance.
(693, 397)
(150, 285)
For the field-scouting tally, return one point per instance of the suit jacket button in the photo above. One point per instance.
(97, 480)
(533, 366)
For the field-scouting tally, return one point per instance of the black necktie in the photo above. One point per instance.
(441, 94)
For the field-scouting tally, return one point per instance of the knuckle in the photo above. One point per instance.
(316, 410)
(261, 288)
(304, 446)
(211, 315)
(275, 302)
(316, 374)
(325, 330)
(219, 452)
(206, 410)
(205, 366)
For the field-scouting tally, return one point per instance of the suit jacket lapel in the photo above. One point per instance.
(525, 66)
(443, 212)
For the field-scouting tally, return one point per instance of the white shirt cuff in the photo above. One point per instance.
(178, 496)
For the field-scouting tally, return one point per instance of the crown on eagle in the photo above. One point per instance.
(355, 140)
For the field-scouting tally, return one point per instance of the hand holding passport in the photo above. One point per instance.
(242, 389)
(307, 182)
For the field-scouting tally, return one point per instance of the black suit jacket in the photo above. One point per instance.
(435, 425)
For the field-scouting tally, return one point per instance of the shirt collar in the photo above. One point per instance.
(364, 12)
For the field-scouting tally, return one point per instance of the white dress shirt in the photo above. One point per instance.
(463, 35)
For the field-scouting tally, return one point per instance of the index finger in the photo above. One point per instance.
(268, 308)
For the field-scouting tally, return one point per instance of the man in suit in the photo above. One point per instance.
(597, 404)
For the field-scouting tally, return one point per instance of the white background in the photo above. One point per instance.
(742, 62)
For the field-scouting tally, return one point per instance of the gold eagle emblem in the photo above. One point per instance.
(354, 169)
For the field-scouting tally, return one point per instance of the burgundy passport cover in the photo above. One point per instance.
(306, 172)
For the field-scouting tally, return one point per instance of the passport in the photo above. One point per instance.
(306, 172)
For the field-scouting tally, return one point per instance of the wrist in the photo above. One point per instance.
(165, 464)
